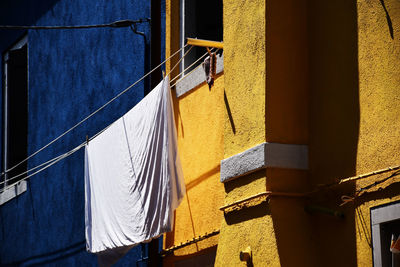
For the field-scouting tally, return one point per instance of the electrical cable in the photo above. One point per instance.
(115, 24)
(91, 114)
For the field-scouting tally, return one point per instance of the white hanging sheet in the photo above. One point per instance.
(133, 178)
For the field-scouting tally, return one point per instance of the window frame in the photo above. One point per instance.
(379, 215)
(187, 6)
(21, 187)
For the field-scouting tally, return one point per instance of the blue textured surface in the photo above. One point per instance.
(71, 73)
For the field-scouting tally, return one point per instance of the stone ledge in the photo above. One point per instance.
(274, 155)
(13, 192)
(197, 77)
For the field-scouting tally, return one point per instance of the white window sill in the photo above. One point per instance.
(13, 192)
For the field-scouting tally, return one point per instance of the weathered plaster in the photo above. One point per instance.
(245, 74)
(274, 155)
(12, 192)
(197, 77)
(245, 79)
(379, 136)
(199, 119)
(71, 73)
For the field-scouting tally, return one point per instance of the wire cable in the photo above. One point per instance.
(52, 162)
(32, 169)
(115, 24)
(179, 61)
(58, 158)
(49, 163)
(91, 114)
(191, 65)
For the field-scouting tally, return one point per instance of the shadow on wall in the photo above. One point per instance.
(388, 19)
(51, 257)
(381, 193)
(332, 84)
(30, 12)
(203, 177)
(251, 212)
(334, 120)
(205, 257)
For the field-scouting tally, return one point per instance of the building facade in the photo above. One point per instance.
(306, 110)
(290, 159)
(51, 80)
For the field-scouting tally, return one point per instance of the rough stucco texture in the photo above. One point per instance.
(256, 233)
(244, 60)
(200, 124)
(71, 73)
(244, 66)
(379, 82)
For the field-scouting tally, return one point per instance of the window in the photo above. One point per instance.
(385, 222)
(202, 20)
(15, 109)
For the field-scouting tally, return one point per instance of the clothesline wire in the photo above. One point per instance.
(179, 61)
(53, 161)
(46, 165)
(34, 168)
(49, 162)
(191, 65)
(91, 114)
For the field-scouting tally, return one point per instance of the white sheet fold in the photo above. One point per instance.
(133, 178)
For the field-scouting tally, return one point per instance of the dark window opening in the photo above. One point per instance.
(385, 227)
(387, 230)
(202, 20)
(15, 110)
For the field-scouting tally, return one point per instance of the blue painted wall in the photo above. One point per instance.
(71, 73)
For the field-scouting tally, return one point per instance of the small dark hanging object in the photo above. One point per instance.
(210, 68)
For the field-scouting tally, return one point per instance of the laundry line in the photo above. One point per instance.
(90, 115)
(191, 65)
(43, 166)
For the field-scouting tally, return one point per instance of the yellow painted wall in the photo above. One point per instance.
(200, 141)
(245, 79)
(379, 83)
(334, 124)
(321, 73)
(244, 62)
(287, 102)
(287, 94)
(379, 134)
(199, 116)
(354, 118)
(273, 93)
